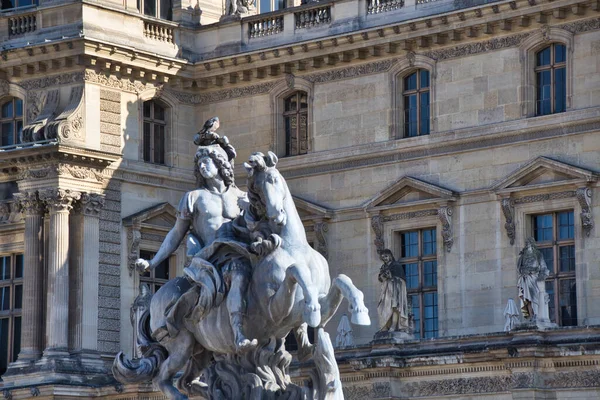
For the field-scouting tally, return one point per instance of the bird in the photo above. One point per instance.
(207, 134)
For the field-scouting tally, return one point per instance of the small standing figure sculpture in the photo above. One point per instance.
(393, 301)
(533, 272)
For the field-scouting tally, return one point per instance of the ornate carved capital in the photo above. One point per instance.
(445, 215)
(584, 196)
(29, 203)
(59, 200)
(377, 225)
(508, 208)
(321, 229)
(90, 204)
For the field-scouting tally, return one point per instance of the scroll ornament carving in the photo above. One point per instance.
(321, 229)
(37, 119)
(377, 225)
(59, 200)
(90, 204)
(134, 237)
(69, 124)
(508, 208)
(445, 215)
(289, 80)
(29, 203)
(9, 212)
(78, 172)
(35, 102)
(584, 196)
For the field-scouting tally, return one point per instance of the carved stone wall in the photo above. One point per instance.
(110, 121)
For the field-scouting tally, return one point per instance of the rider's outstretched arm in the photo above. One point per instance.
(171, 242)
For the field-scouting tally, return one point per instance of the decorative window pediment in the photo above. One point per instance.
(545, 179)
(409, 191)
(544, 172)
(151, 224)
(314, 218)
(412, 198)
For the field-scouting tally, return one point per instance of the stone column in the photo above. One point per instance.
(83, 263)
(59, 202)
(33, 277)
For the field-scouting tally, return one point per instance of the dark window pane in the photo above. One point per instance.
(18, 297)
(410, 82)
(146, 142)
(412, 276)
(560, 90)
(551, 304)
(566, 225)
(424, 78)
(430, 311)
(543, 57)
(430, 273)
(159, 112)
(542, 227)
(7, 109)
(416, 311)
(162, 270)
(424, 113)
(156, 287)
(290, 342)
(18, 107)
(18, 266)
(288, 136)
(7, 4)
(159, 144)
(8, 133)
(17, 138)
(5, 298)
(544, 91)
(16, 337)
(568, 302)
(429, 242)
(548, 254)
(150, 7)
(166, 10)
(559, 53)
(410, 244)
(567, 258)
(4, 333)
(148, 109)
(303, 101)
(4, 268)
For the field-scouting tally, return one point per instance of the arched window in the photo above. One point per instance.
(295, 116)
(162, 9)
(551, 82)
(416, 100)
(154, 132)
(11, 121)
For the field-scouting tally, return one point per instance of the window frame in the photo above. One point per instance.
(12, 313)
(14, 119)
(299, 112)
(34, 4)
(141, 5)
(555, 274)
(418, 91)
(528, 51)
(152, 281)
(552, 67)
(421, 290)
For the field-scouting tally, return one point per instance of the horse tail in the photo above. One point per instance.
(142, 369)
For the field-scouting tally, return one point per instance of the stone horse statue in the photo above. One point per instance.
(290, 289)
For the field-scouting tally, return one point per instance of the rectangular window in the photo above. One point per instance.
(9, 4)
(295, 117)
(159, 275)
(11, 303)
(415, 92)
(418, 256)
(554, 234)
(154, 137)
(551, 83)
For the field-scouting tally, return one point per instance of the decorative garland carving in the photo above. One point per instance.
(37, 120)
(508, 208)
(223, 95)
(65, 170)
(483, 384)
(134, 237)
(584, 196)
(116, 83)
(351, 72)
(445, 215)
(90, 204)
(574, 379)
(68, 125)
(464, 50)
(321, 228)
(582, 26)
(56, 80)
(377, 225)
(545, 197)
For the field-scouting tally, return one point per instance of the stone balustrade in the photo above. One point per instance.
(379, 6)
(21, 24)
(265, 26)
(313, 17)
(160, 32)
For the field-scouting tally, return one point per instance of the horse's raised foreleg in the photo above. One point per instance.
(282, 302)
(341, 287)
(179, 354)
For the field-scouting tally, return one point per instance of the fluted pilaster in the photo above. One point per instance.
(84, 260)
(33, 276)
(59, 203)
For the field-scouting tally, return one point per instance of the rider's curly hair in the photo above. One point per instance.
(221, 162)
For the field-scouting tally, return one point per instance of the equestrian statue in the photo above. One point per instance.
(253, 278)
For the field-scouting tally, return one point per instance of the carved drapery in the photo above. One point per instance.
(68, 126)
(584, 196)
(37, 120)
(321, 229)
(508, 208)
(445, 215)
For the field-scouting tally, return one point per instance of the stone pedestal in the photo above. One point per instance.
(33, 277)
(59, 204)
(393, 337)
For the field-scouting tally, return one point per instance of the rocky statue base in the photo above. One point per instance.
(393, 337)
(539, 324)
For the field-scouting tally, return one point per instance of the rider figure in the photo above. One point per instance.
(207, 214)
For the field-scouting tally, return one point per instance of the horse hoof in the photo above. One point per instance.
(361, 318)
(246, 345)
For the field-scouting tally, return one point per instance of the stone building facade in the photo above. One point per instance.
(460, 126)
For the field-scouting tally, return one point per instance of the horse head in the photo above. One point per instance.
(267, 189)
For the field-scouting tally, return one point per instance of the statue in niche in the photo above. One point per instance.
(253, 278)
(533, 272)
(393, 301)
(239, 7)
